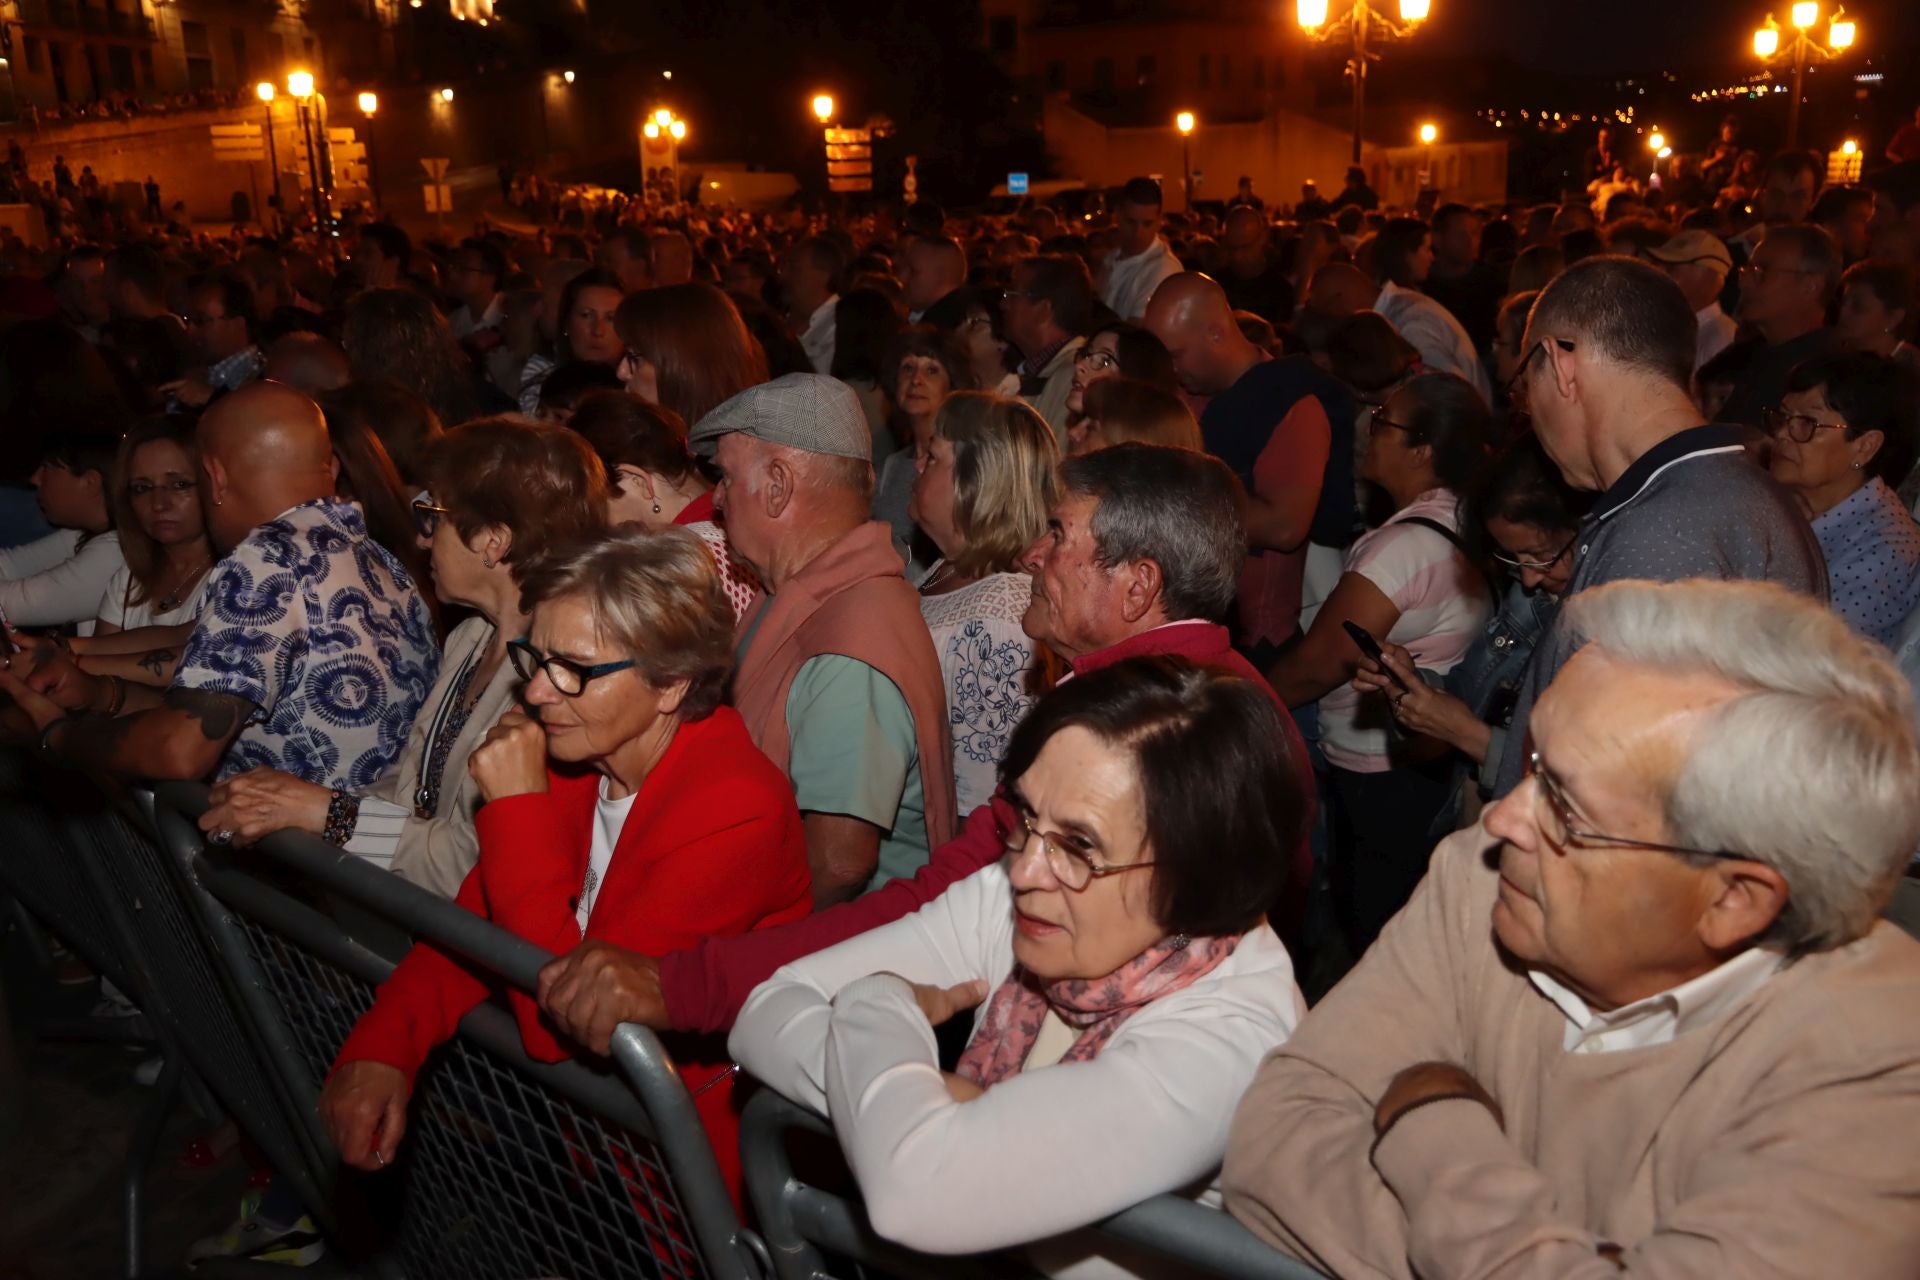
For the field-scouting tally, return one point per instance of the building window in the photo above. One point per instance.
(120, 67)
(1103, 74)
(1056, 76)
(239, 35)
(193, 39)
(1002, 35)
(146, 67)
(1206, 70)
(1145, 68)
(36, 56)
(1226, 71)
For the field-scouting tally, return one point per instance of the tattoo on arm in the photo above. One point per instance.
(155, 661)
(219, 715)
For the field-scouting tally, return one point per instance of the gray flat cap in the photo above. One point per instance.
(804, 411)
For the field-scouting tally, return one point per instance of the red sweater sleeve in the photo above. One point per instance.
(705, 986)
(420, 1003)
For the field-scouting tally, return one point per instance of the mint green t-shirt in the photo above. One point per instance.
(854, 752)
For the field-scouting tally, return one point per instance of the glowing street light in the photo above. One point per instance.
(663, 117)
(369, 103)
(1849, 147)
(264, 90)
(567, 76)
(1656, 141)
(1361, 23)
(1804, 15)
(300, 84)
(678, 130)
(1428, 134)
(664, 124)
(1184, 122)
(446, 94)
(823, 107)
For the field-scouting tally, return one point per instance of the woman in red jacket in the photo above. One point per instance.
(630, 807)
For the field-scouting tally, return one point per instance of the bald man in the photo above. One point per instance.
(1286, 429)
(932, 270)
(1340, 289)
(314, 650)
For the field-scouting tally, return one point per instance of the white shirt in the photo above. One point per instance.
(117, 606)
(1659, 1019)
(1716, 333)
(987, 661)
(1131, 281)
(1048, 1151)
(818, 340)
(464, 324)
(57, 580)
(609, 816)
(1443, 344)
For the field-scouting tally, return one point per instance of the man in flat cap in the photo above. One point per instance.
(838, 679)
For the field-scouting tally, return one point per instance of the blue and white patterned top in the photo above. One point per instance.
(988, 664)
(1872, 547)
(321, 629)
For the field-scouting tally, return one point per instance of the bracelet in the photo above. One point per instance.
(45, 745)
(343, 813)
(119, 688)
(1404, 1112)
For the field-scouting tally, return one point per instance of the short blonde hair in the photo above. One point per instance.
(653, 594)
(1140, 412)
(1003, 477)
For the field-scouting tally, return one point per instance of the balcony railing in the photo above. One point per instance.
(73, 16)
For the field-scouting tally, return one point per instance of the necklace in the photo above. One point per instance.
(171, 601)
(943, 573)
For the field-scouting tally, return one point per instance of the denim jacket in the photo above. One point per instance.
(1488, 680)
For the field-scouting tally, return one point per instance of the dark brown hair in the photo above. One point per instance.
(627, 431)
(698, 345)
(540, 481)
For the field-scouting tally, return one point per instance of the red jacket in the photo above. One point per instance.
(713, 847)
(705, 985)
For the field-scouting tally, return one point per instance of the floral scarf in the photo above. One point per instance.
(1095, 1006)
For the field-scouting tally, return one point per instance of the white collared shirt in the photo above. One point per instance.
(1443, 344)
(818, 340)
(1659, 1019)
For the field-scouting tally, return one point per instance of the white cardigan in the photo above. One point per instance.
(1044, 1152)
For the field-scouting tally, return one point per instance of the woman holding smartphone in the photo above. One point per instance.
(1410, 583)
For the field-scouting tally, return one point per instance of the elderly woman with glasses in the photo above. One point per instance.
(1843, 435)
(1528, 521)
(1642, 1019)
(1124, 1013)
(627, 808)
(503, 490)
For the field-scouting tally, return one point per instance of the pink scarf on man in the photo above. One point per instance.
(1095, 1006)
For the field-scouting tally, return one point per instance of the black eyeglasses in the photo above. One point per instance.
(1561, 826)
(146, 488)
(1521, 562)
(567, 676)
(426, 516)
(1526, 362)
(1797, 427)
(1376, 419)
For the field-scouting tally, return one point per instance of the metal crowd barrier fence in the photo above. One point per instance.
(510, 1168)
(799, 1220)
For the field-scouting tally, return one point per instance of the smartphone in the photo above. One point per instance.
(1371, 647)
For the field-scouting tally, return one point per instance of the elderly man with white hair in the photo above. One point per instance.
(1642, 1020)
(838, 679)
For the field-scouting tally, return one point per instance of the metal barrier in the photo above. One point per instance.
(799, 1220)
(510, 1168)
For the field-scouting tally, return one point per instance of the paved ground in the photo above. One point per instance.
(61, 1167)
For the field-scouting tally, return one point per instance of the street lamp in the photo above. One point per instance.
(1361, 23)
(265, 92)
(664, 124)
(1185, 122)
(369, 104)
(1429, 133)
(1804, 15)
(300, 85)
(823, 107)
(567, 76)
(1656, 142)
(446, 94)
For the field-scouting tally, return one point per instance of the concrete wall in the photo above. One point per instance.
(1279, 153)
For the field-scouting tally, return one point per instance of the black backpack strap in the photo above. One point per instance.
(1427, 523)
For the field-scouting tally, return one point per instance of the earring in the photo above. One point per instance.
(656, 508)
(1180, 942)
(486, 562)
(1856, 466)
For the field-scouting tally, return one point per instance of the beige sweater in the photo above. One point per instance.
(1780, 1140)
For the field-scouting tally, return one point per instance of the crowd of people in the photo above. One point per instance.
(806, 628)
